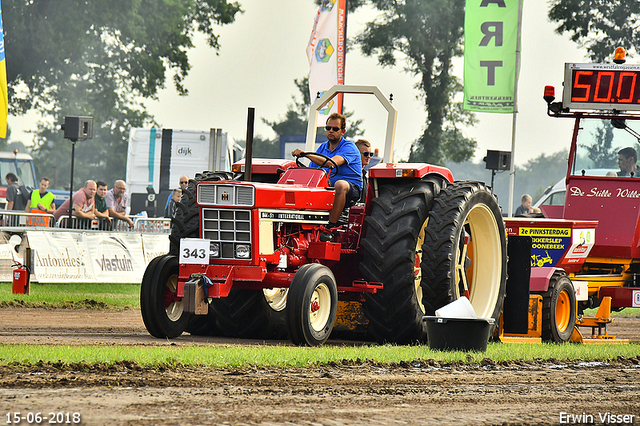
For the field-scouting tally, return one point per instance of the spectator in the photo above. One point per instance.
(101, 204)
(365, 156)
(118, 202)
(15, 200)
(525, 207)
(184, 184)
(627, 158)
(42, 200)
(83, 203)
(176, 195)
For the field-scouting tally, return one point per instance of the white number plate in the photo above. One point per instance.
(194, 250)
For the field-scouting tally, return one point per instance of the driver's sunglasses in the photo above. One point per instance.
(367, 154)
(335, 129)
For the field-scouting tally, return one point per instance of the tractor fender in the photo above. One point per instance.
(540, 277)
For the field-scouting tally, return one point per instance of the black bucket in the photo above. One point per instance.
(458, 334)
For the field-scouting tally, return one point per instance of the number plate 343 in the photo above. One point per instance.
(194, 250)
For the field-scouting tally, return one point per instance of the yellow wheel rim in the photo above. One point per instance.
(417, 270)
(479, 261)
(320, 307)
(563, 311)
(173, 307)
(276, 297)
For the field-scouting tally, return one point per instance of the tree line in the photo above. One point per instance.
(103, 58)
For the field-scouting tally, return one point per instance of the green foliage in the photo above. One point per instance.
(599, 25)
(427, 35)
(533, 178)
(95, 58)
(601, 152)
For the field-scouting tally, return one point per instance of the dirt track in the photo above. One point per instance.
(362, 394)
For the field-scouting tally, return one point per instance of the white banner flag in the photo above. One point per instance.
(326, 54)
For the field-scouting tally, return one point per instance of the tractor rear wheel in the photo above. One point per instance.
(162, 311)
(312, 305)
(392, 250)
(185, 225)
(248, 314)
(464, 251)
(558, 309)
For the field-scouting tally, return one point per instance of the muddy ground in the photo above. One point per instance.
(417, 393)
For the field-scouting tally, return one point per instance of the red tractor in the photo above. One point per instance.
(591, 244)
(246, 259)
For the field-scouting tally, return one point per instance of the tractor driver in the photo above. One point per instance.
(348, 181)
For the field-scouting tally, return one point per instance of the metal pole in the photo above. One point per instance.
(248, 157)
(512, 170)
(73, 152)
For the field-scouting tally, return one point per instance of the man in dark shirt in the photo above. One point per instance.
(627, 158)
(15, 201)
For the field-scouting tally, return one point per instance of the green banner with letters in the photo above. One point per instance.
(490, 41)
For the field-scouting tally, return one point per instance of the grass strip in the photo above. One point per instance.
(105, 296)
(236, 356)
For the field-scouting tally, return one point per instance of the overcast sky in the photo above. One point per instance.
(264, 51)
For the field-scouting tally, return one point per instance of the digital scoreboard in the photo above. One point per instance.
(601, 87)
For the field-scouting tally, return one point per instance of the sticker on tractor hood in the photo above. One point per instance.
(292, 216)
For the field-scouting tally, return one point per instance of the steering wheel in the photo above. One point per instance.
(326, 160)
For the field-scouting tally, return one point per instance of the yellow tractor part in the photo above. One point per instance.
(534, 334)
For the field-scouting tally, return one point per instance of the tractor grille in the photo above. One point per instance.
(228, 228)
(226, 195)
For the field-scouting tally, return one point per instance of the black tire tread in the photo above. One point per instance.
(389, 245)
(441, 235)
(550, 333)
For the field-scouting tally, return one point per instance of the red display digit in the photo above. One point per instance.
(578, 86)
(632, 87)
(606, 84)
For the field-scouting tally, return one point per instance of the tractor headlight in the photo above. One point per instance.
(243, 251)
(214, 250)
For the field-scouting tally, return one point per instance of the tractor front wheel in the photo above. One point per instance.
(312, 304)
(558, 309)
(162, 311)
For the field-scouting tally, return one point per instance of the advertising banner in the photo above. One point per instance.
(60, 257)
(154, 246)
(326, 54)
(84, 257)
(8, 258)
(116, 257)
(490, 44)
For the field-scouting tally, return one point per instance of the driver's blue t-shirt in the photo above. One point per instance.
(351, 171)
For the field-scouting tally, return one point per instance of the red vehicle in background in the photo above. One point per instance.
(604, 101)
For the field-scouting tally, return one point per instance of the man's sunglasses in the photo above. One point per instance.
(367, 154)
(335, 129)
(183, 182)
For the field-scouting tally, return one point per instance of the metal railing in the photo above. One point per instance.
(22, 219)
(147, 225)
